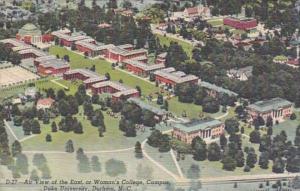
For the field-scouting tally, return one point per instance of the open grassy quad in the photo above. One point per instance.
(187, 47)
(89, 140)
(102, 67)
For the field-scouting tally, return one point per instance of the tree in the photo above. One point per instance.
(293, 164)
(22, 163)
(240, 159)
(264, 160)
(199, 149)
(193, 172)
(232, 125)
(293, 116)
(39, 160)
(210, 105)
(18, 121)
(34, 175)
(115, 167)
(148, 118)
(36, 128)
(223, 141)
(138, 150)
(16, 148)
(229, 163)
(196, 54)
(164, 144)
(160, 99)
(214, 152)
(95, 98)
(251, 159)
(95, 164)
(269, 122)
(270, 131)
(48, 138)
(278, 165)
(255, 136)
(53, 127)
(69, 148)
(154, 139)
(78, 128)
(45, 172)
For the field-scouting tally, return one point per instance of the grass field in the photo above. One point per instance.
(102, 67)
(89, 140)
(188, 48)
(215, 22)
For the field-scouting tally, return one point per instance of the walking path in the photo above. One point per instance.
(11, 131)
(176, 163)
(157, 163)
(57, 83)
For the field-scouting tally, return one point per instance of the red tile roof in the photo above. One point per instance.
(45, 101)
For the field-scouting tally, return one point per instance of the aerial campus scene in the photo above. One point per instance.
(134, 95)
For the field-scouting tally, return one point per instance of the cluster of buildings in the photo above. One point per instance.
(99, 84)
(45, 64)
(277, 109)
(133, 60)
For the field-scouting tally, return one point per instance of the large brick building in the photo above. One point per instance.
(66, 38)
(87, 76)
(170, 77)
(117, 90)
(122, 52)
(205, 129)
(53, 67)
(89, 47)
(141, 68)
(277, 108)
(242, 24)
(31, 53)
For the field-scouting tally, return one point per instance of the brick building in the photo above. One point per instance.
(87, 76)
(14, 43)
(170, 77)
(205, 129)
(122, 52)
(277, 108)
(53, 67)
(39, 60)
(141, 68)
(89, 47)
(242, 24)
(161, 58)
(31, 53)
(65, 38)
(117, 90)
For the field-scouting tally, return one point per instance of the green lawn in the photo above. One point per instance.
(187, 47)
(215, 22)
(89, 140)
(102, 67)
